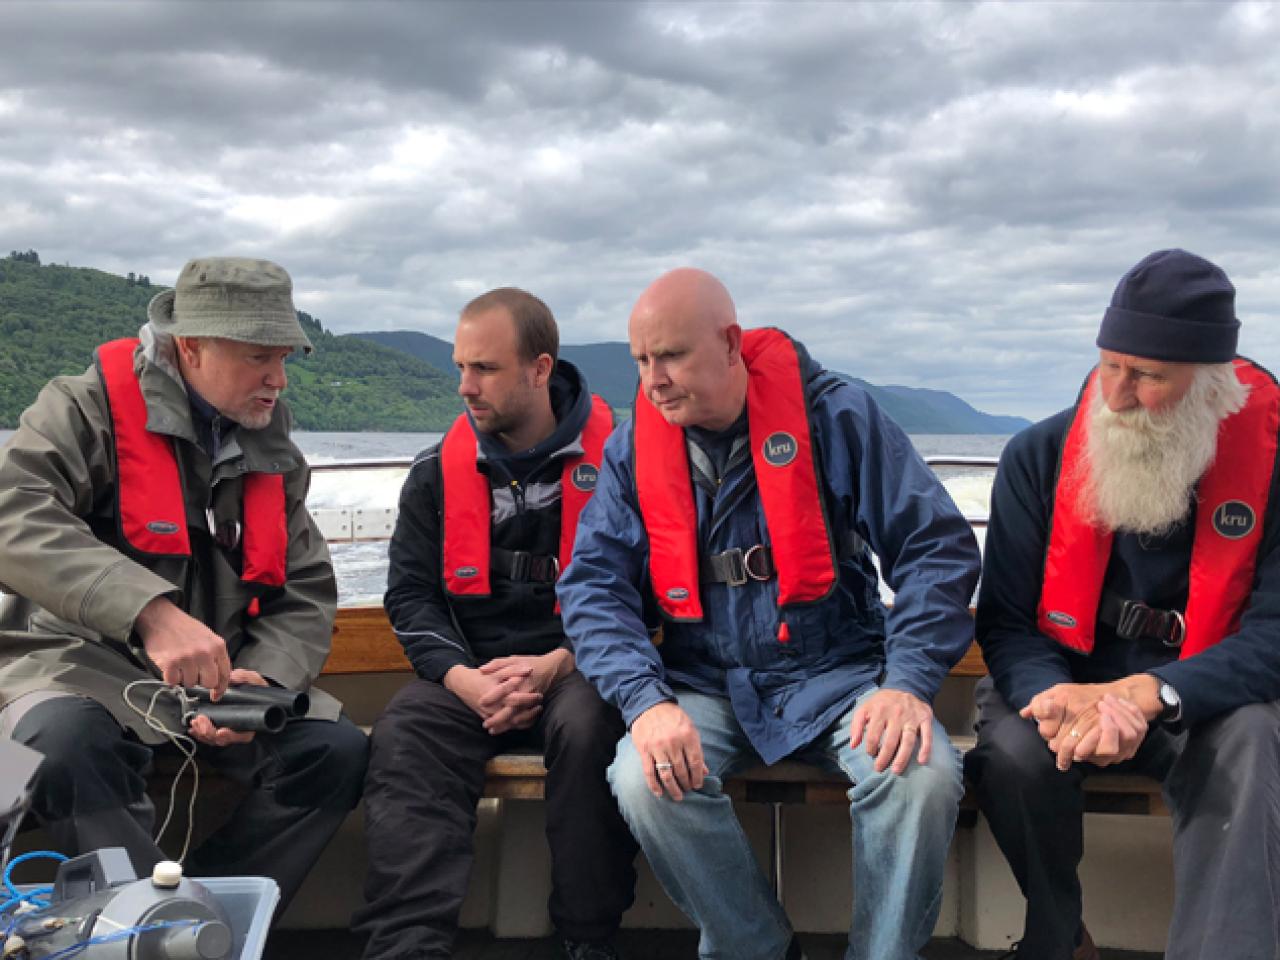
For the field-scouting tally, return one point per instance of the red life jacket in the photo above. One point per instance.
(468, 503)
(785, 463)
(1232, 499)
(150, 507)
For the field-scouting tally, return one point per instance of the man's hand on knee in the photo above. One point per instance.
(1116, 735)
(518, 711)
(1062, 708)
(184, 650)
(1097, 723)
(894, 725)
(670, 750)
(490, 696)
(520, 682)
(536, 673)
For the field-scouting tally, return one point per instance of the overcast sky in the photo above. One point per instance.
(938, 195)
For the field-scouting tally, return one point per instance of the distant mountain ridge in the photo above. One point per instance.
(612, 374)
(608, 366)
(917, 408)
(53, 316)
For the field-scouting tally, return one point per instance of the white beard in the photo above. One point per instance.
(1142, 467)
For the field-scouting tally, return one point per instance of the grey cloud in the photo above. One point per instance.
(934, 194)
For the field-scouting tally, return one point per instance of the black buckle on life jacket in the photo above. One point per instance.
(736, 566)
(527, 566)
(1137, 620)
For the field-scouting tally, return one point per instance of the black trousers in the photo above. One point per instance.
(1222, 782)
(297, 786)
(426, 775)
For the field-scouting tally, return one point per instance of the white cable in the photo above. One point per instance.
(185, 745)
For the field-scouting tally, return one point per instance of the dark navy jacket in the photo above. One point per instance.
(1242, 668)
(785, 695)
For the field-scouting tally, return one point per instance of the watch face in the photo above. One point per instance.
(1172, 703)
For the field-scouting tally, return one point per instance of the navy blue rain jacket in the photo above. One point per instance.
(1243, 668)
(785, 695)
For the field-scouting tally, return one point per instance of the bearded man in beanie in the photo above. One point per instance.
(154, 535)
(1130, 616)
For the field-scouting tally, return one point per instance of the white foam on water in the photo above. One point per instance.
(367, 487)
(971, 493)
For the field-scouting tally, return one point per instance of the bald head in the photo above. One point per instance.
(693, 297)
(687, 346)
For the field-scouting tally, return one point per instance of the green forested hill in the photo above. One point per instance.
(352, 384)
(51, 318)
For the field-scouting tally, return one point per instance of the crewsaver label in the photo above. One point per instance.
(1061, 619)
(466, 573)
(165, 528)
(780, 449)
(1234, 519)
(584, 477)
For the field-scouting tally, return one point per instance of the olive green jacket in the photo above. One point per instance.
(73, 586)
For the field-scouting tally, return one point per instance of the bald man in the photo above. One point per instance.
(744, 501)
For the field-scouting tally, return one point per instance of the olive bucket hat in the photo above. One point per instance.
(231, 297)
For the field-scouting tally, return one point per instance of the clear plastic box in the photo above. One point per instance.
(249, 903)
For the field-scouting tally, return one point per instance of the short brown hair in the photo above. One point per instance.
(536, 331)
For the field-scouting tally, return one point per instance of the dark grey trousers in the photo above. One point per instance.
(1222, 782)
(426, 775)
(297, 786)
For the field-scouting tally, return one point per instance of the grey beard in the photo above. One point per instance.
(1143, 467)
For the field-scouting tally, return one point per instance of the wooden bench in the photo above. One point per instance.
(364, 643)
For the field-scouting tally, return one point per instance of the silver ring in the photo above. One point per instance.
(663, 766)
(1075, 734)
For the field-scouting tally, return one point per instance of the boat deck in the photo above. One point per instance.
(632, 944)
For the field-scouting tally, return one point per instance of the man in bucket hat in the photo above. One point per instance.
(153, 536)
(1129, 616)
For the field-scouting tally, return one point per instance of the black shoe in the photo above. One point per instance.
(1083, 949)
(589, 950)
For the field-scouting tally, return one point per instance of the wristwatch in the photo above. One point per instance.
(1170, 704)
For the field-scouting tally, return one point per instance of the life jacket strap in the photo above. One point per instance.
(1134, 620)
(523, 567)
(738, 565)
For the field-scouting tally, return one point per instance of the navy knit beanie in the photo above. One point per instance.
(1173, 306)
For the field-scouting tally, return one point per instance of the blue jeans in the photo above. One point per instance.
(902, 830)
